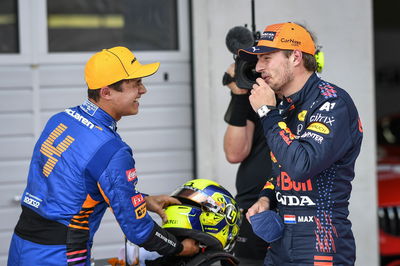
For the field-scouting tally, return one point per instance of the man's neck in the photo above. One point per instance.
(297, 83)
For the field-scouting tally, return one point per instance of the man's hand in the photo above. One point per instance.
(261, 94)
(157, 204)
(190, 247)
(232, 86)
(261, 205)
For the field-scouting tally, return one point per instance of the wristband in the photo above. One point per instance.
(238, 110)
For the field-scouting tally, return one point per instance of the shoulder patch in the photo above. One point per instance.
(327, 90)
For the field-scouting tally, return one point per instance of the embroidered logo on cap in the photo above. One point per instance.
(268, 35)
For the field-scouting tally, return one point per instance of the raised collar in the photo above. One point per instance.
(98, 114)
(308, 92)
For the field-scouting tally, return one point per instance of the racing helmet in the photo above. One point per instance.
(208, 214)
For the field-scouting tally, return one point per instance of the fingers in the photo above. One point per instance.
(190, 247)
(172, 201)
(163, 215)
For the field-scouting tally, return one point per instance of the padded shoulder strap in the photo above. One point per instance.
(100, 160)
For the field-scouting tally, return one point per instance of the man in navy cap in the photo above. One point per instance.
(315, 137)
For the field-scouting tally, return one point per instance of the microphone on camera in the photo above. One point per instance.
(239, 37)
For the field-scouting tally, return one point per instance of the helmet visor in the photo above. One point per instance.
(198, 197)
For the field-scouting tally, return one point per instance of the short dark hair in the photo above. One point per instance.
(95, 94)
(309, 61)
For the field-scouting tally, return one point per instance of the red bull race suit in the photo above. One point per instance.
(315, 137)
(79, 167)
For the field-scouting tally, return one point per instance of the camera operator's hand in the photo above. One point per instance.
(232, 86)
(261, 94)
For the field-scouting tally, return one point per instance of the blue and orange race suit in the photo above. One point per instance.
(315, 137)
(79, 167)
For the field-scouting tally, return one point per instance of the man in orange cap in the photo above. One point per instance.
(80, 166)
(315, 137)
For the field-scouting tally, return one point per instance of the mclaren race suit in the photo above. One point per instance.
(315, 139)
(80, 166)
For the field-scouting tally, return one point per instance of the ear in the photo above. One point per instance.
(297, 57)
(105, 93)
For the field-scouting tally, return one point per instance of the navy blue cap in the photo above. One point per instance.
(267, 225)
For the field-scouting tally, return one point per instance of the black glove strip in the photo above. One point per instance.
(238, 110)
(162, 242)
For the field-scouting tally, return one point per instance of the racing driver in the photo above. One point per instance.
(315, 136)
(80, 166)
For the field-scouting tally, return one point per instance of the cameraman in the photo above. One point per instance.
(244, 143)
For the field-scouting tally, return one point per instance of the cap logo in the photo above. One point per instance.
(268, 35)
(291, 41)
(255, 49)
(133, 60)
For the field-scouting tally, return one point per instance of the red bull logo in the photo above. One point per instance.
(286, 183)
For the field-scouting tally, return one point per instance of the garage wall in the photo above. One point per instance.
(35, 85)
(346, 37)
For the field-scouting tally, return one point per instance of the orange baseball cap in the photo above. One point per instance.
(283, 36)
(112, 65)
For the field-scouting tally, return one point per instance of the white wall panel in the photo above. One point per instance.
(16, 124)
(159, 140)
(16, 147)
(57, 99)
(154, 162)
(8, 194)
(157, 117)
(163, 183)
(35, 85)
(16, 100)
(14, 171)
(61, 75)
(8, 216)
(15, 76)
(348, 63)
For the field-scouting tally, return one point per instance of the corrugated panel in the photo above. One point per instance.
(159, 140)
(15, 77)
(16, 147)
(16, 100)
(14, 171)
(16, 124)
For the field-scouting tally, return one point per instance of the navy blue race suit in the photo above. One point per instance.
(79, 167)
(315, 137)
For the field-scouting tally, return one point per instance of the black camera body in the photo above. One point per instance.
(240, 37)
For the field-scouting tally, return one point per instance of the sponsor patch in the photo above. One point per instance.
(290, 200)
(268, 35)
(269, 185)
(327, 106)
(137, 200)
(32, 200)
(305, 219)
(319, 127)
(314, 136)
(141, 211)
(131, 174)
(322, 118)
(327, 90)
(286, 183)
(289, 219)
(302, 115)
